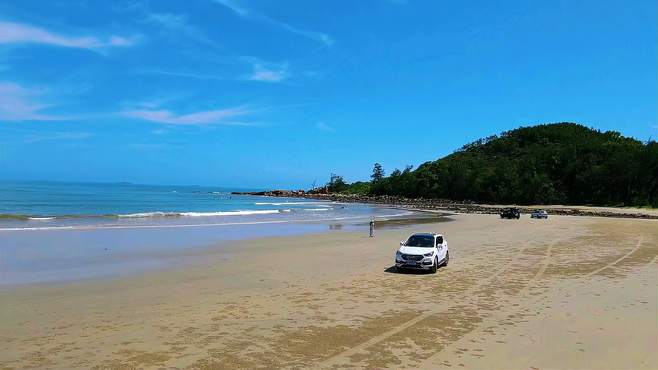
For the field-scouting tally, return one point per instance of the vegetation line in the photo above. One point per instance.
(559, 163)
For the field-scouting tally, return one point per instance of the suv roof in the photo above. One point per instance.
(426, 234)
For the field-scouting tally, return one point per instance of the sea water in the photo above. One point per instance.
(51, 231)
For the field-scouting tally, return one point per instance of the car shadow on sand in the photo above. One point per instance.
(395, 270)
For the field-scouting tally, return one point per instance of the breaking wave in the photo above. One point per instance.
(204, 214)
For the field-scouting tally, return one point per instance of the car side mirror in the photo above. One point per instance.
(401, 244)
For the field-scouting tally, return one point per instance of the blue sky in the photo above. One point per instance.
(281, 93)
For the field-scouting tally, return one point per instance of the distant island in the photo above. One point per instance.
(557, 163)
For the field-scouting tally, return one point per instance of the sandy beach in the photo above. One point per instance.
(566, 293)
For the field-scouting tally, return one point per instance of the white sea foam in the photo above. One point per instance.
(234, 213)
(289, 203)
(204, 214)
(40, 218)
(176, 226)
(150, 214)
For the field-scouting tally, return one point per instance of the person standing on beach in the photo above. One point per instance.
(372, 228)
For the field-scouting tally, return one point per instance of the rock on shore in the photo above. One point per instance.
(448, 205)
(273, 193)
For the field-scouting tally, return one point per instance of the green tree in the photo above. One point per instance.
(377, 173)
(336, 184)
(553, 163)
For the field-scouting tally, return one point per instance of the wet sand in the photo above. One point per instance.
(569, 292)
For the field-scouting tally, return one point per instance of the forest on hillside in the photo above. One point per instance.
(559, 163)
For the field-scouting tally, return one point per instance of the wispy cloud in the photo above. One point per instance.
(178, 25)
(268, 75)
(153, 146)
(268, 72)
(236, 7)
(209, 117)
(313, 35)
(56, 136)
(18, 103)
(14, 33)
(168, 20)
(322, 126)
(261, 71)
(181, 74)
(245, 12)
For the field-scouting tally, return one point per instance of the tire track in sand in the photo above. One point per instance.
(379, 338)
(431, 361)
(613, 263)
(650, 264)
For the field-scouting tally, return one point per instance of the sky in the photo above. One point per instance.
(262, 94)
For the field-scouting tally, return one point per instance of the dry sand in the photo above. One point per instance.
(570, 292)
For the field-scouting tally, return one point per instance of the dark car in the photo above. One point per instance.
(510, 213)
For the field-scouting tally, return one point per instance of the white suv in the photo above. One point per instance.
(426, 251)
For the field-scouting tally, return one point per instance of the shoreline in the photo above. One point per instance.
(84, 252)
(422, 204)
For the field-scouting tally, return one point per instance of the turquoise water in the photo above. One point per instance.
(72, 231)
(47, 205)
(58, 199)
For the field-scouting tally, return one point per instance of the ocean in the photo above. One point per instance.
(56, 231)
(39, 205)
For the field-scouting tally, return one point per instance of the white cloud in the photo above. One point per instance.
(236, 7)
(269, 73)
(312, 35)
(18, 103)
(58, 136)
(182, 74)
(322, 126)
(241, 10)
(160, 132)
(168, 20)
(153, 146)
(11, 32)
(209, 117)
(261, 71)
(178, 25)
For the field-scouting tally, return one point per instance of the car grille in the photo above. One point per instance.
(412, 257)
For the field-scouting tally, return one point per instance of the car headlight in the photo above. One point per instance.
(428, 254)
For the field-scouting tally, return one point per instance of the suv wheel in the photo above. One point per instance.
(445, 261)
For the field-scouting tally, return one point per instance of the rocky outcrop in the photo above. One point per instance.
(274, 193)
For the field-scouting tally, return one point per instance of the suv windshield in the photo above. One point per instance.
(423, 241)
